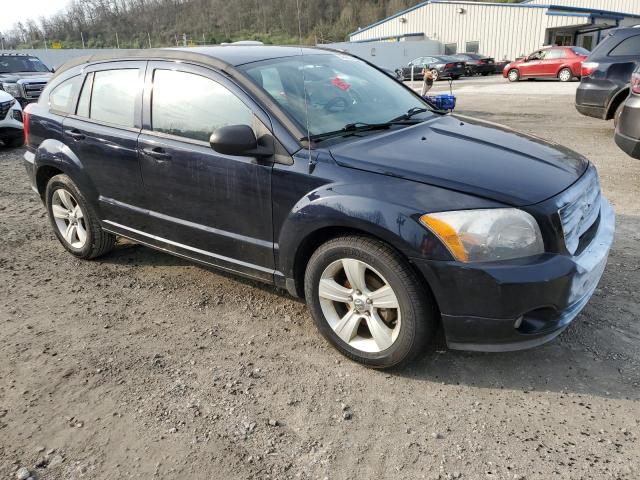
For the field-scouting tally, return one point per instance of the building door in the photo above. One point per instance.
(587, 42)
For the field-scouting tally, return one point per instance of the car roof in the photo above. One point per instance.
(223, 57)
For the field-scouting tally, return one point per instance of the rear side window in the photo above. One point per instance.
(629, 46)
(555, 54)
(113, 98)
(580, 51)
(62, 98)
(85, 97)
(192, 106)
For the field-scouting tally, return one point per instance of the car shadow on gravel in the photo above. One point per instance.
(599, 354)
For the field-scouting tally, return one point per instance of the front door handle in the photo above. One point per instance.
(75, 134)
(157, 153)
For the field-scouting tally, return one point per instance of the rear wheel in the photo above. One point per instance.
(456, 77)
(565, 75)
(368, 302)
(74, 221)
(513, 75)
(485, 74)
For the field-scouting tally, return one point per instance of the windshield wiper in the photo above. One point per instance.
(351, 128)
(410, 113)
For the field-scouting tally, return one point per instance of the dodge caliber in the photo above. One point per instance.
(315, 171)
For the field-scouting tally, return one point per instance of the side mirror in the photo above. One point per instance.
(239, 140)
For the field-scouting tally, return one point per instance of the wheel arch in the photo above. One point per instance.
(615, 102)
(53, 158)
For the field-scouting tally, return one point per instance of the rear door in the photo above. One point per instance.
(210, 206)
(103, 135)
(553, 60)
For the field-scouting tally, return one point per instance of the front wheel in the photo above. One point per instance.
(513, 75)
(14, 142)
(74, 221)
(367, 301)
(565, 75)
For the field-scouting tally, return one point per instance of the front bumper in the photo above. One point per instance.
(518, 304)
(628, 131)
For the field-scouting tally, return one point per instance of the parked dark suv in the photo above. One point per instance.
(317, 172)
(23, 76)
(606, 74)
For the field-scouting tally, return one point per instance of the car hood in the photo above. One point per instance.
(30, 76)
(468, 155)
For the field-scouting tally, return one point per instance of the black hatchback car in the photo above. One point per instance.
(315, 171)
(441, 66)
(606, 73)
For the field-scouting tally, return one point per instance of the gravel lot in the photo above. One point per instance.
(141, 365)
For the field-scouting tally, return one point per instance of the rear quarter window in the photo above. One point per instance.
(629, 46)
(62, 98)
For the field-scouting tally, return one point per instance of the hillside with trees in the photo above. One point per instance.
(161, 23)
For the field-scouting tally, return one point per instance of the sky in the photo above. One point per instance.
(15, 11)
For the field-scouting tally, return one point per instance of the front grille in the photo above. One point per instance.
(33, 90)
(581, 211)
(4, 109)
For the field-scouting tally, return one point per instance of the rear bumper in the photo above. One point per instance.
(592, 111)
(517, 304)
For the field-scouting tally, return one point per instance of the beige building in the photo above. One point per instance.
(502, 30)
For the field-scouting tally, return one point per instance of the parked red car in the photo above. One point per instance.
(563, 63)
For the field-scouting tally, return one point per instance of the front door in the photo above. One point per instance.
(210, 206)
(103, 133)
(531, 66)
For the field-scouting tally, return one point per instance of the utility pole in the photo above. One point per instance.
(2, 40)
(82, 38)
(117, 41)
(204, 42)
(149, 37)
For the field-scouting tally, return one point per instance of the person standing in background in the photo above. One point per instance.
(427, 80)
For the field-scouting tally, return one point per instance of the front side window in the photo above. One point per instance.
(326, 92)
(113, 98)
(630, 46)
(62, 97)
(192, 106)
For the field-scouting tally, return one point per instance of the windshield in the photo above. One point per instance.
(11, 64)
(339, 89)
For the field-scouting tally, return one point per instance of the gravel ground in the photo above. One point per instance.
(141, 365)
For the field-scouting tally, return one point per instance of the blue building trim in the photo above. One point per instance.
(526, 4)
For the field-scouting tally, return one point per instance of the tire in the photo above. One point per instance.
(410, 325)
(96, 242)
(14, 142)
(456, 77)
(485, 74)
(513, 75)
(436, 75)
(565, 75)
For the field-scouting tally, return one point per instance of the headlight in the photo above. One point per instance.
(12, 89)
(487, 235)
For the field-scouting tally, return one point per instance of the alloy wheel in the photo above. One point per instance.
(513, 75)
(69, 218)
(565, 75)
(359, 305)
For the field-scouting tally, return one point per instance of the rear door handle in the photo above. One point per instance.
(75, 134)
(157, 153)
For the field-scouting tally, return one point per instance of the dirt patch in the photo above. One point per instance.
(141, 365)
